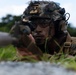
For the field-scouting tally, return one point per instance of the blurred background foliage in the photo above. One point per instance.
(71, 30)
(8, 21)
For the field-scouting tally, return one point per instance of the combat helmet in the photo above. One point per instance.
(46, 11)
(42, 8)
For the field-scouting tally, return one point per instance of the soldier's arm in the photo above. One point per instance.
(28, 47)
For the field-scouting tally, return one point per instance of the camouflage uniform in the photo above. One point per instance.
(60, 41)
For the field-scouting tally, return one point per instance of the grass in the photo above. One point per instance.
(8, 53)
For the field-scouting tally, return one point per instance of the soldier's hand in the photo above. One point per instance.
(24, 41)
(32, 38)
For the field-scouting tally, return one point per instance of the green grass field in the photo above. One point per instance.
(8, 53)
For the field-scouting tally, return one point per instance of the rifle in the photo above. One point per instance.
(20, 33)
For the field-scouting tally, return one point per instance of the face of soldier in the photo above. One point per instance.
(40, 34)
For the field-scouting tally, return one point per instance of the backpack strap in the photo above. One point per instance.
(66, 46)
(69, 46)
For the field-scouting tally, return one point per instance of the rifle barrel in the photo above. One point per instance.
(6, 39)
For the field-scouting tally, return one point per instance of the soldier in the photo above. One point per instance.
(45, 24)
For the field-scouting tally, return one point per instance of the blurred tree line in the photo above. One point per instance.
(71, 30)
(8, 21)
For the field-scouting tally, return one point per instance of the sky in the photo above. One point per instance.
(16, 7)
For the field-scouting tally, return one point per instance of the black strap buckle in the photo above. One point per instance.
(67, 44)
